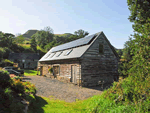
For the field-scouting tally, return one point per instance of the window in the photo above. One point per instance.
(47, 55)
(68, 52)
(52, 55)
(59, 54)
(101, 49)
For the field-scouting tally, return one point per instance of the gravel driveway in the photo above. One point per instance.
(64, 91)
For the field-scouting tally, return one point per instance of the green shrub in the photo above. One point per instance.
(50, 70)
(2, 51)
(30, 88)
(6, 53)
(17, 78)
(6, 62)
(4, 79)
(127, 95)
(18, 86)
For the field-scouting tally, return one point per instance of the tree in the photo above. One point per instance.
(44, 37)
(33, 44)
(140, 13)
(6, 39)
(20, 39)
(140, 47)
(81, 33)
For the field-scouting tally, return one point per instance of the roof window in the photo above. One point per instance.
(59, 54)
(68, 52)
(52, 55)
(47, 55)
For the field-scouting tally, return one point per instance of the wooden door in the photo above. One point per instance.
(56, 71)
(41, 70)
(74, 74)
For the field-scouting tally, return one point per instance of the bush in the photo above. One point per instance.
(23, 87)
(6, 62)
(30, 88)
(6, 53)
(127, 95)
(2, 51)
(17, 78)
(18, 86)
(4, 79)
(50, 70)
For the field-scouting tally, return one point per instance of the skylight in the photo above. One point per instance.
(52, 55)
(68, 52)
(47, 55)
(59, 54)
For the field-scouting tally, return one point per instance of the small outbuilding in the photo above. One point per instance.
(25, 60)
(88, 61)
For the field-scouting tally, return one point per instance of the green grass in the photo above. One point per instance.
(30, 72)
(48, 105)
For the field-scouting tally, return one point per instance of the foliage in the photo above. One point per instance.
(4, 78)
(2, 51)
(6, 62)
(19, 39)
(6, 39)
(132, 94)
(140, 13)
(81, 33)
(7, 51)
(33, 45)
(50, 70)
(17, 78)
(120, 52)
(29, 88)
(44, 36)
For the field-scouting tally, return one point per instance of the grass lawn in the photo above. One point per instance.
(49, 105)
(30, 72)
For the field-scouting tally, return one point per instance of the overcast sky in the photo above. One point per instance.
(67, 16)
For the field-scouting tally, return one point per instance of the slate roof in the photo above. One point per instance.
(30, 56)
(75, 43)
(77, 48)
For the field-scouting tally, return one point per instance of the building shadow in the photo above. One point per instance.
(100, 87)
(36, 106)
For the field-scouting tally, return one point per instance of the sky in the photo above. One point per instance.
(68, 16)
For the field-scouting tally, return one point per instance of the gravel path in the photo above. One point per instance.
(64, 91)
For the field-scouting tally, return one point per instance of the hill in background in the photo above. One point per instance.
(29, 33)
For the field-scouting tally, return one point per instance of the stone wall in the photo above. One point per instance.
(64, 70)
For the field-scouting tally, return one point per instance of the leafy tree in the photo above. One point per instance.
(140, 47)
(19, 39)
(2, 51)
(6, 39)
(33, 44)
(81, 33)
(44, 37)
(140, 13)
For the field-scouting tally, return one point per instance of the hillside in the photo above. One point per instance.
(29, 33)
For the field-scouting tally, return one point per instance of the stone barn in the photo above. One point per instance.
(25, 60)
(87, 61)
